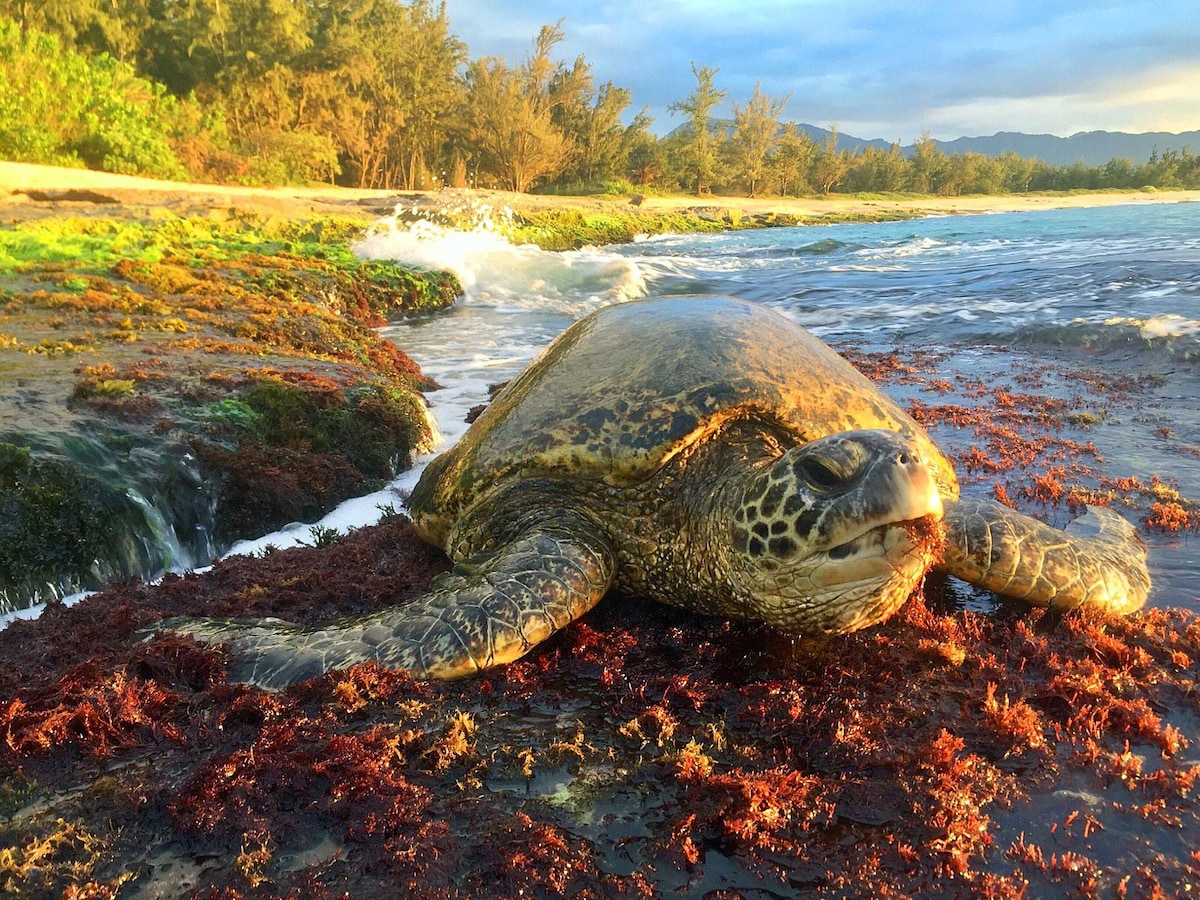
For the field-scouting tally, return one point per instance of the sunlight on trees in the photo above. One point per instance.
(755, 132)
(698, 144)
(512, 113)
(382, 94)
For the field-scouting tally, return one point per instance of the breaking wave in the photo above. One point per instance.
(469, 241)
(1169, 336)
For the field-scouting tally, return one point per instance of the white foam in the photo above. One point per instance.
(913, 247)
(1168, 325)
(470, 243)
(1166, 289)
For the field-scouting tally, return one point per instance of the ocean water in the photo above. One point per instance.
(1104, 293)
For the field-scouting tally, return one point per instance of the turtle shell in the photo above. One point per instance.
(625, 389)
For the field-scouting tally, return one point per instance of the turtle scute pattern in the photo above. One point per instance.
(774, 517)
(624, 391)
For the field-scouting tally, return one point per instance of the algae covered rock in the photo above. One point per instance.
(51, 525)
(167, 388)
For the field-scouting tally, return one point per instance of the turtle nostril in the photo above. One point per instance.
(905, 459)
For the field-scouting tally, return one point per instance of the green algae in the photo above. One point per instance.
(95, 243)
(568, 229)
(371, 425)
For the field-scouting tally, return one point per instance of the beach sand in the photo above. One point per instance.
(19, 180)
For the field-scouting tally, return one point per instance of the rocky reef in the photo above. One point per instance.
(170, 385)
(644, 752)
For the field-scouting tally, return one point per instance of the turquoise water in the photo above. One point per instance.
(1002, 299)
(1060, 277)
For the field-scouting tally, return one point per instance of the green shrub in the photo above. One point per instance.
(57, 106)
(288, 157)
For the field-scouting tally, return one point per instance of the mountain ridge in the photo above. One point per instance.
(1093, 148)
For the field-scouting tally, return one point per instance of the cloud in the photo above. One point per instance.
(887, 68)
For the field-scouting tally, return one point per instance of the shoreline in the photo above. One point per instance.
(190, 198)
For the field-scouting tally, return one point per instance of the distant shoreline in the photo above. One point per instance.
(142, 195)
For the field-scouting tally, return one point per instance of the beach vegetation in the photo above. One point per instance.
(382, 94)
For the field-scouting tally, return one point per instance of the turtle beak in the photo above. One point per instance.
(902, 487)
(917, 491)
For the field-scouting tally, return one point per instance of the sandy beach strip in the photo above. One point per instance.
(18, 179)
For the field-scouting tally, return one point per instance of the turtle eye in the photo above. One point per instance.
(818, 473)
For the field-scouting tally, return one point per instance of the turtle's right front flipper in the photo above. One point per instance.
(489, 613)
(1000, 549)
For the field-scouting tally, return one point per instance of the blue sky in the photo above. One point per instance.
(887, 69)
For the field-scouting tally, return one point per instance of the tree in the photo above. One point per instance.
(831, 164)
(429, 83)
(792, 160)
(647, 158)
(64, 18)
(879, 170)
(700, 145)
(202, 45)
(755, 131)
(1018, 171)
(925, 165)
(91, 26)
(512, 113)
(594, 125)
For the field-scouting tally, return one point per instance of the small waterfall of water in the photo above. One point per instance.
(160, 546)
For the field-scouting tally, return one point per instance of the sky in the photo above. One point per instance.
(890, 69)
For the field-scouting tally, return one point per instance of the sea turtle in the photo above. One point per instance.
(708, 453)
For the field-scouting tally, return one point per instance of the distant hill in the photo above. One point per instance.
(846, 141)
(1095, 148)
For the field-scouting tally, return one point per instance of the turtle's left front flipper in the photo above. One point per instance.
(491, 612)
(1000, 549)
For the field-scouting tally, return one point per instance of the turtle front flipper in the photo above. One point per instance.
(478, 616)
(998, 548)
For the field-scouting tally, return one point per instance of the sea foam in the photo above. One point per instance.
(469, 240)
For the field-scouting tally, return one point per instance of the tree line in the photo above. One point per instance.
(382, 94)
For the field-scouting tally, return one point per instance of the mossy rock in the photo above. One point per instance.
(52, 527)
(147, 341)
(283, 452)
(376, 428)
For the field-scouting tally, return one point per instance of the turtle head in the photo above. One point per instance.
(834, 535)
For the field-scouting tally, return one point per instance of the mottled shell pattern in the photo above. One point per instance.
(619, 395)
